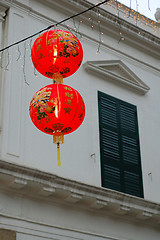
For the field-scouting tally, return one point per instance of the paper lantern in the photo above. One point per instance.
(57, 52)
(57, 109)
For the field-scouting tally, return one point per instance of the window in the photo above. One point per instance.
(119, 146)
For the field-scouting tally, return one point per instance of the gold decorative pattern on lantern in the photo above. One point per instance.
(67, 110)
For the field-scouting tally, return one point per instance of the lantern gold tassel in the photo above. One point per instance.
(58, 155)
(58, 138)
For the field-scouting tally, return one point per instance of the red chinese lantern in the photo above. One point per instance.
(57, 109)
(57, 52)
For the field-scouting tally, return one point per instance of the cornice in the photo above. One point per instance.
(45, 185)
(73, 6)
(111, 17)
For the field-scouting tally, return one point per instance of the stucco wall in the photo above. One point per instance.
(23, 144)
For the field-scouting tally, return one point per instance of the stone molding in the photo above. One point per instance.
(116, 70)
(17, 178)
(2, 13)
(36, 228)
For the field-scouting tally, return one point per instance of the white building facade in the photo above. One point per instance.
(107, 186)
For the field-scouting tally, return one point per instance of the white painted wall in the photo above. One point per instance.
(23, 144)
(23, 208)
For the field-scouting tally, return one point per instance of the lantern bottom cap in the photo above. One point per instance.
(57, 78)
(58, 137)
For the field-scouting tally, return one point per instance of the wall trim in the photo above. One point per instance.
(45, 185)
(49, 231)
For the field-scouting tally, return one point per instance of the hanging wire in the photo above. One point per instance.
(129, 13)
(137, 12)
(79, 23)
(35, 74)
(53, 25)
(18, 50)
(118, 21)
(149, 5)
(30, 45)
(118, 12)
(69, 28)
(1, 60)
(6, 67)
(75, 27)
(24, 63)
(100, 37)
(91, 20)
(78, 27)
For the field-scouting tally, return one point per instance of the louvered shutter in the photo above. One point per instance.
(119, 146)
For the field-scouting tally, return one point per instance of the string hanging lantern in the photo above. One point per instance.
(57, 53)
(57, 109)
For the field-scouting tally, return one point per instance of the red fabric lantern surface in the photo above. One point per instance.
(57, 51)
(57, 109)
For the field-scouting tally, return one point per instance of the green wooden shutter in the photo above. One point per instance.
(119, 146)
